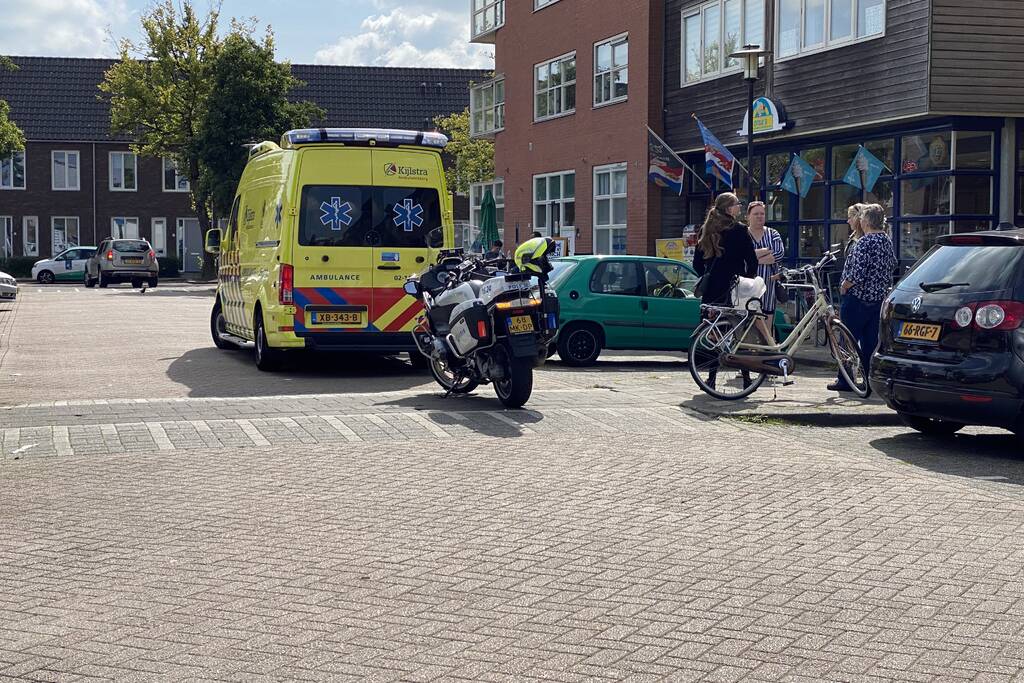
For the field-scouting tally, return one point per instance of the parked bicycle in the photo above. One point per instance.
(730, 359)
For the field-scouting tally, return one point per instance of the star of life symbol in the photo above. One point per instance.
(336, 214)
(408, 215)
(277, 213)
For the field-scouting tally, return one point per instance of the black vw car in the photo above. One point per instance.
(951, 341)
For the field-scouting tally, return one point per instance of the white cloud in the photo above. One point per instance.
(404, 37)
(76, 28)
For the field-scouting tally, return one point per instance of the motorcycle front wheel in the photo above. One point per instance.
(449, 380)
(514, 390)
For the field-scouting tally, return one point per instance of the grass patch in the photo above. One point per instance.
(757, 420)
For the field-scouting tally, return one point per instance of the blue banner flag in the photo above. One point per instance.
(719, 161)
(799, 177)
(864, 170)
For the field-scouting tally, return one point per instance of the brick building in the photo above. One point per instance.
(75, 183)
(576, 83)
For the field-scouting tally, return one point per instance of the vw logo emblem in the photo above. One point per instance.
(915, 305)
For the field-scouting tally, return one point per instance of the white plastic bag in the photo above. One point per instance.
(747, 288)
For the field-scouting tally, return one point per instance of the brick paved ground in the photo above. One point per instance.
(611, 531)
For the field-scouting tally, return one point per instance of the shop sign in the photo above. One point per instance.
(769, 117)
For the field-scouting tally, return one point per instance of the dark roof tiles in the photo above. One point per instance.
(57, 98)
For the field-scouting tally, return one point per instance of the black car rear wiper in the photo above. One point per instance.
(936, 286)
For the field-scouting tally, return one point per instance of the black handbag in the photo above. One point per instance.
(702, 283)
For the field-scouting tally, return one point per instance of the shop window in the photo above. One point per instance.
(554, 203)
(843, 197)
(777, 165)
(812, 207)
(916, 238)
(777, 206)
(925, 153)
(973, 151)
(555, 87)
(610, 209)
(713, 31)
(973, 194)
(926, 196)
(611, 70)
(807, 26)
(812, 241)
(973, 225)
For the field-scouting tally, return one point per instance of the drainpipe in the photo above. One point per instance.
(95, 235)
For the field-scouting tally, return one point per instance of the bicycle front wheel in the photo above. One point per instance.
(847, 354)
(714, 379)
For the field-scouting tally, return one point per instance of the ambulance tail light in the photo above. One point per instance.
(286, 284)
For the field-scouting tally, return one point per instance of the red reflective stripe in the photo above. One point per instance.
(975, 399)
(408, 314)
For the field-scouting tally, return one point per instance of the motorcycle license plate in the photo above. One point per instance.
(337, 318)
(920, 331)
(520, 324)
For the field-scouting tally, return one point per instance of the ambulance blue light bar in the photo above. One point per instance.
(381, 137)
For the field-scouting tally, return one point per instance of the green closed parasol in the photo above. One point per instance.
(488, 222)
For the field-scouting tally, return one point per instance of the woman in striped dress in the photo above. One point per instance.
(770, 250)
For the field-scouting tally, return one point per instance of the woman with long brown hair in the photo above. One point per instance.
(724, 251)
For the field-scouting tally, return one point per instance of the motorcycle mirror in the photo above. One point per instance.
(412, 288)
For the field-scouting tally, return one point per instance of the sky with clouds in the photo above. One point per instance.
(431, 33)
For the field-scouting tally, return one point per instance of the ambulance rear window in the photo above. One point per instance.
(335, 216)
(365, 216)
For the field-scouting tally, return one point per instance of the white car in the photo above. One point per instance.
(8, 287)
(68, 265)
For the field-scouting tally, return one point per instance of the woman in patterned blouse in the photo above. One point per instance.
(769, 249)
(867, 279)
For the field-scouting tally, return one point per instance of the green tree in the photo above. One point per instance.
(472, 159)
(12, 139)
(248, 103)
(160, 88)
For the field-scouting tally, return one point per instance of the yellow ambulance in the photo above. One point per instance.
(324, 230)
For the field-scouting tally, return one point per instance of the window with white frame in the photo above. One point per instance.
(65, 170)
(611, 70)
(12, 171)
(555, 87)
(714, 31)
(123, 228)
(7, 236)
(174, 181)
(159, 238)
(554, 203)
(123, 176)
(488, 15)
(477, 192)
(540, 4)
(610, 209)
(806, 26)
(64, 233)
(487, 107)
(30, 236)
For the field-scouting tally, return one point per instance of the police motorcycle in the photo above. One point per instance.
(487, 321)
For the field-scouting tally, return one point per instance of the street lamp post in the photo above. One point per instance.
(750, 57)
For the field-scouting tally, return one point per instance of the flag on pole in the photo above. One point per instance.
(799, 176)
(864, 170)
(719, 161)
(665, 168)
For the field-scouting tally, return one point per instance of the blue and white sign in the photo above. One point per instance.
(865, 166)
(408, 216)
(391, 256)
(799, 177)
(337, 214)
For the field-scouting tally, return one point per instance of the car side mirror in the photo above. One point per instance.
(213, 238)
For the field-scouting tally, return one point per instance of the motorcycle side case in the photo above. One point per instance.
(466, 328)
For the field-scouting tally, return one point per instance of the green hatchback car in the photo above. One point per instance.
(624, 302)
